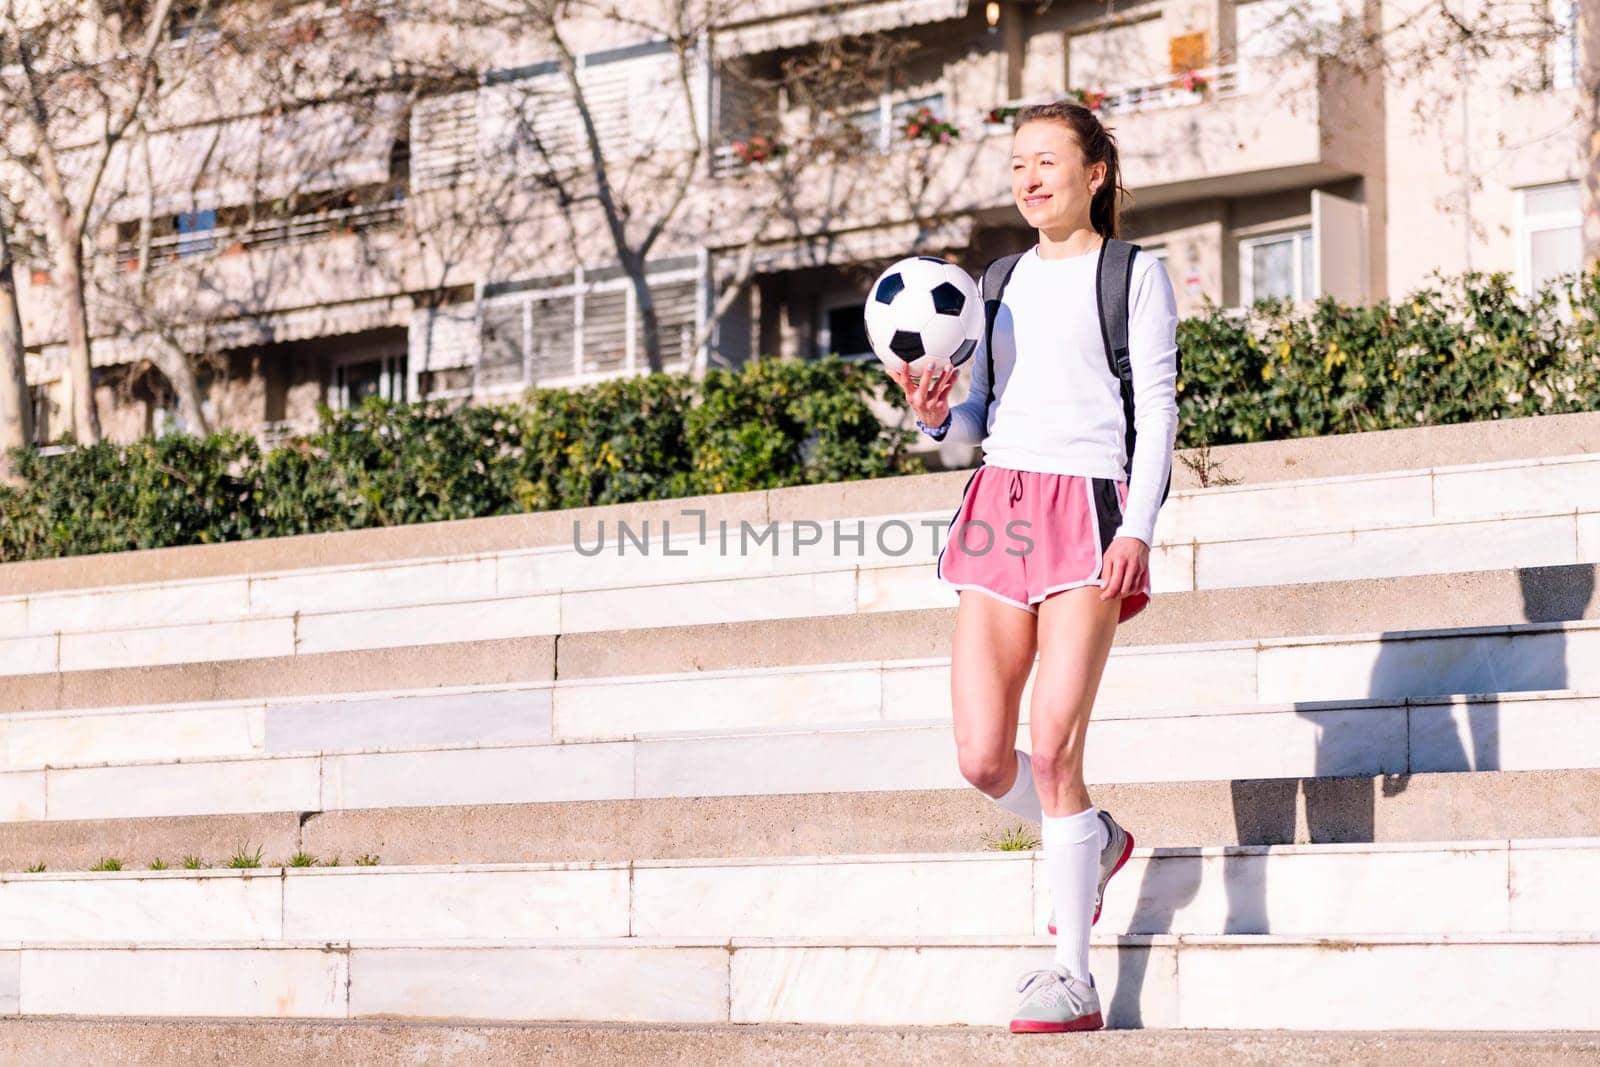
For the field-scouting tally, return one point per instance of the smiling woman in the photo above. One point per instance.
(1073, 399)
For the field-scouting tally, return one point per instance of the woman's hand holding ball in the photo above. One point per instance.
(929, 396)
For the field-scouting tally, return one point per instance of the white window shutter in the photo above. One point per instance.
(530, 126)
(553, 337)
(444, 140)
(675, 321)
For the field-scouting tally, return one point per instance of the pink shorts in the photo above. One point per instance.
(1020, 536)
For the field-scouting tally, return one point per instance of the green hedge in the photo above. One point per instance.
(1455, 351)
(771, 424)
(1462, 350)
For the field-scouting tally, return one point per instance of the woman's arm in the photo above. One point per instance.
(1153, 353)
(969, 420)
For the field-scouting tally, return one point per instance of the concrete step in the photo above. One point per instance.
(1368, 982)
(116, 629)
(1411, 808)
(159, 1042)
(1531, 731)
(1508, 442)
(1477, 887)
(1139, 680)
(1325, 529)
(1486, 598)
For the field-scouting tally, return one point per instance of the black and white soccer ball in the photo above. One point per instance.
(924, 314)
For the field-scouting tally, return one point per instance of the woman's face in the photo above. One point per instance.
(1051, 185)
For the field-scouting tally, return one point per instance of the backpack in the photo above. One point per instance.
(1113, 284)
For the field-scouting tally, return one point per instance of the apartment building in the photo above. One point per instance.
(442, 243)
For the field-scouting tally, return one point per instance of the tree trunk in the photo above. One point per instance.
(179, 371)
(16, 413)
(1588, 30)
(649, 326)
(69, 267)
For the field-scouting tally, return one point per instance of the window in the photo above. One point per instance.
(43, 408)
(502, 357)
(881, 124)
(168, 415)
(530, 123)
(195, 231)
(357, 379)
(586, 326)
(843, 329)
(1552, 234)
(1278, 267)
(675, 321)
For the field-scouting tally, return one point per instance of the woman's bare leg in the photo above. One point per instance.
(993, 652)
(1074, 635)
(1075, 632)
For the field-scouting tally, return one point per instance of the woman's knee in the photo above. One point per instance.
(1056, 765)
(989, 770)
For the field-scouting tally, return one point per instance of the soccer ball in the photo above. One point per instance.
(924, 314)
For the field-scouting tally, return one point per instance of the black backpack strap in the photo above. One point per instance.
(995, 277)
(1114, 285)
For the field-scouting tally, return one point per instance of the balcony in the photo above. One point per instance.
(264, 233)
(1237, 132)
(1241, 130)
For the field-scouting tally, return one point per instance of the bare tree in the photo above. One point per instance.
(1589, 79)
(664, 183)
(57, 92)
(246, 102)
(16, 413)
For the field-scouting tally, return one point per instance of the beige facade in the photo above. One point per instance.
(433, 261)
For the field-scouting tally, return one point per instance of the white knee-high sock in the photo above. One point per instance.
(1022, 799)
(1072, 866)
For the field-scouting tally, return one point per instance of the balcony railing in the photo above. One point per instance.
(1212, 83)
(1158, 94)
(265, 233)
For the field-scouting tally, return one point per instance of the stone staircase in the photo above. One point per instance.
(619, 800)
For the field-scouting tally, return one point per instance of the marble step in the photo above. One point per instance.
(1541, 512)
(1139, 681)
(1477, 887)
(1498, 442)
(1522, 731)
(255, 1043)
(1389, 809)
(1382, 982)
(1392, 604)
(138, 633)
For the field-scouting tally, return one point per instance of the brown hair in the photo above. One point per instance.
(1098, 146)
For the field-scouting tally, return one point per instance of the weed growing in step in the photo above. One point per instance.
(108, 864)
(366, 860)
(1020, 839)
(244, 860)
(37, 868)
(331, 861)
(193, 863)
(159, 864)
(302, 859)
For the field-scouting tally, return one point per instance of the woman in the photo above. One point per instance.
(1069, 555)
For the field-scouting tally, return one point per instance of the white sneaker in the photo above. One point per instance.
(1055, 1002)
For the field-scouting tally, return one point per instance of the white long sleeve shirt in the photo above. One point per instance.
(1057, 406)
